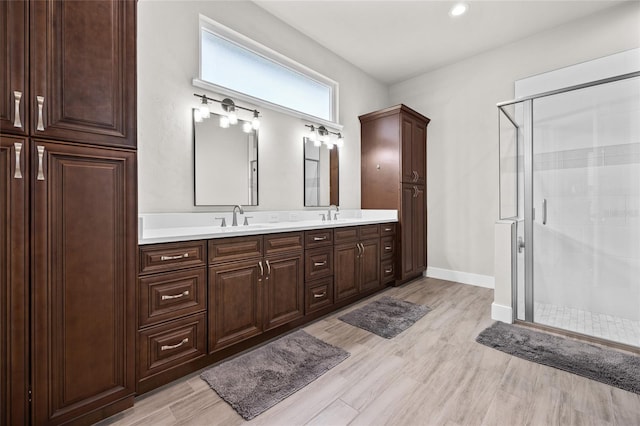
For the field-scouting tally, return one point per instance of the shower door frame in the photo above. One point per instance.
(529, 215)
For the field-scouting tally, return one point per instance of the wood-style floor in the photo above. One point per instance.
(434, 373)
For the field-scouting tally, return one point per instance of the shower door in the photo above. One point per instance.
(583, 218)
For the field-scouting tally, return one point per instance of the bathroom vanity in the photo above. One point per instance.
(212, 292)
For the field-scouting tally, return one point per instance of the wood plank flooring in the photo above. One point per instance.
(432, 374)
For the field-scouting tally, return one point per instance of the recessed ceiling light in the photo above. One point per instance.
(458, 9)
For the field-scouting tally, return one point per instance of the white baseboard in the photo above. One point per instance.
(501, 313)
(461, 277)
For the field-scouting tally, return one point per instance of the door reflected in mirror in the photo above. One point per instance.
(321, 173)
(225, 163)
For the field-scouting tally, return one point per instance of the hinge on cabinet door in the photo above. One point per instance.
(30, 394)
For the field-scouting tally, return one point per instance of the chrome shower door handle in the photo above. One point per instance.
(17, 146)
(40, 100)
(16, 118)
(544, 211)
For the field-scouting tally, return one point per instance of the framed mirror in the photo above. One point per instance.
(225, 163)
(321, 173)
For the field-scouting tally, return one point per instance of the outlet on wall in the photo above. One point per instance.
(273, 217)
(293, 217)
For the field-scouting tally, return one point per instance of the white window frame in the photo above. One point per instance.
(219, 30)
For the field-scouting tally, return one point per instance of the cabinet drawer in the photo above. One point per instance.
(172, 256)
(318, 238)
(318, 263)
(387, 229)
(282, 243)
(343, 235)
(169, 345)
(319, 294)
(369, 231)
(171, 295)
(387, 271)
(237, 248)
(387, 247)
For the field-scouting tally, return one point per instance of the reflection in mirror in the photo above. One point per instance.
(226, 163)
(320, 175)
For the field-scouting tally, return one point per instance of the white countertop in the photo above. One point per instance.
(173, 227)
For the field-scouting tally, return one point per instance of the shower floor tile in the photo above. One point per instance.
(608, 327)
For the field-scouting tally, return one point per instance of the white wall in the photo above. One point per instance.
(462, 147)
(167, 63)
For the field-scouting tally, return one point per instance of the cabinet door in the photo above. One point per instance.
(419, 225)
(284, 290)
(406, 257)
(346, 269)
(235, 302)
(414, 154)
(83, 280)
(370, 265)
(13, 67)
(14, 280)
(83, 71)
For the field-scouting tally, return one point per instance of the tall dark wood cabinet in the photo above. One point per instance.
(394, 143)
(68, 218)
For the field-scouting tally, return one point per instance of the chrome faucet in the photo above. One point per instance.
(235, 214)
(329, 212)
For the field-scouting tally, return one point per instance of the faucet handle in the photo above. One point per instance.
(323, 216)
(335, 216)
(246, 222)
(224, 222)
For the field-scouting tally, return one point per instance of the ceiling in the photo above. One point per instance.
(396, 40)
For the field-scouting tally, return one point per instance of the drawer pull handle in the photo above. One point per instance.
(388, 271)
(40, 100)
(387, 229)
(387, 248)
(16, 119)
(176, 257)
(320, 238)
(319, 263)
(40, 160)
(18, 150)
(319, 295)
(177, 345)
(175, 296)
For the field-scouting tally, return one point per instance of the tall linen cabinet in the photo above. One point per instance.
(394, 176)
(68, 211)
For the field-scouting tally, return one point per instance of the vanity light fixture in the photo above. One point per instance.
(197, 115)
(230, 117)
(321, 135)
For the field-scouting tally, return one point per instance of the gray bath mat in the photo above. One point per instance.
(258, 380)
(605, 365)
(387, 317)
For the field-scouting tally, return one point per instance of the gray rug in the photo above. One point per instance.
(257, 380)
(386, 317)
(605, 365)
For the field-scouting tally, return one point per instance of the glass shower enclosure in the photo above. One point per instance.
(570, 180)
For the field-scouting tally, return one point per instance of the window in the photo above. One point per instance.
(233, 62)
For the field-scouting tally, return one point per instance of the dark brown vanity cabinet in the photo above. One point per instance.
(172, 305)
(255, 284)
(319, 270)
(357, 260)
(68, 220)
(393, 150)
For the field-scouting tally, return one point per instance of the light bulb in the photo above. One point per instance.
(458, 9)
(233, 117)
(246, 127)
(224, 121)
(197, 116)
(316, 143)
(340, 141)
(312, 134)
(255, 123)
(329, 145)
(204, 110)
